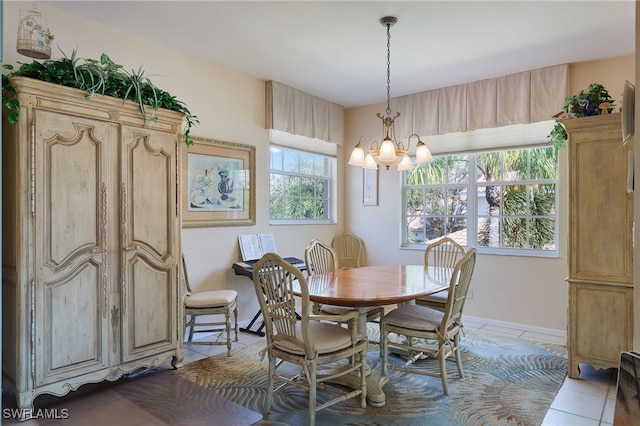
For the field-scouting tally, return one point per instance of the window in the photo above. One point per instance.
(301, 186)
(498, 201)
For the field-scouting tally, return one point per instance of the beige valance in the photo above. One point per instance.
(293, 111)
(526, 97)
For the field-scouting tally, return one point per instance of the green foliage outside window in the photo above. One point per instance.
(509, 198)
(299, 185)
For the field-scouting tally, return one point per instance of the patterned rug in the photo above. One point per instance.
(508, 381)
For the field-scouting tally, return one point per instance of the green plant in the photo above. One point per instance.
(102, 76)
(584, 104)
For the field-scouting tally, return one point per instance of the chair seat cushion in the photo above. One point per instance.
(440, 297)
(326, 338)
(210, 299)
(339, 310)
(414, 317)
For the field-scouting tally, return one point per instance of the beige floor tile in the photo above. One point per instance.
(580, 403)
(119, 412)
(609, 410)
(561, 418)
(586, 385)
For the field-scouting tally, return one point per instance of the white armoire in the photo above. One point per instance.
(91, 240)
(600, 321)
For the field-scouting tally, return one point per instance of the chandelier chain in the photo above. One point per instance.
(388, 68)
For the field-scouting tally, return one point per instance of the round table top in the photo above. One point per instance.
(376, 285)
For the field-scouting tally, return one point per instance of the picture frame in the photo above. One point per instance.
(369, 187)
(218, 184)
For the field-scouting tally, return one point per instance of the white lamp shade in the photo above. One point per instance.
(405, 164)
(357, 156)
(423, 154)
(387, 152)
(369, 163)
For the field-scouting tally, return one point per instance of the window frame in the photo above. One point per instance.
(330, 187)
(472, 214)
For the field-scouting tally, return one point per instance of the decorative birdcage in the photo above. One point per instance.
(34, 38)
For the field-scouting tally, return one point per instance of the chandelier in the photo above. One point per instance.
(389, 152)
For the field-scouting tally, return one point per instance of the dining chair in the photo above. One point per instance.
(423, 332)
(210, 302)
(443, 254)
(321, 258)
(349, 249)
(310, 342)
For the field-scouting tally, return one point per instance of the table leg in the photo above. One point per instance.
(375, 379)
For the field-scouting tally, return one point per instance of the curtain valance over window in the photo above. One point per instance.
(293, 111)
(526, 97)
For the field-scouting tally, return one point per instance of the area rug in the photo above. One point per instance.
(508, 381)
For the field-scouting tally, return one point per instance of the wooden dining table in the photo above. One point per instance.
(368, 286)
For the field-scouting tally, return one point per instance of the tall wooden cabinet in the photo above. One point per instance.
(91, 240)
(600, 322)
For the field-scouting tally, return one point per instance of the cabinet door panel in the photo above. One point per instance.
(151, 238)
(603, 316)
(602, 252)
(601, 209)
(71, 283)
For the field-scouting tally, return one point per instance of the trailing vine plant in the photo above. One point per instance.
(102, 76)
(584, 104)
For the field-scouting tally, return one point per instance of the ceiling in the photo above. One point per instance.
(337, 49)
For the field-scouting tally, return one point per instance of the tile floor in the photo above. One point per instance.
(589, 400)
(586, 401)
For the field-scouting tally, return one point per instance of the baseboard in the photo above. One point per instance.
(518, 326)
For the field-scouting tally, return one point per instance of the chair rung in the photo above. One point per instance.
(340, 398)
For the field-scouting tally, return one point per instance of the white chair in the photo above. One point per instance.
(210, 302)
(321, 258)
(423, 331)
(349, 250)
(443, 254)
(309, 342)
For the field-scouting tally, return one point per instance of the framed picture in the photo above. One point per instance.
(369, 187)
(218, 184)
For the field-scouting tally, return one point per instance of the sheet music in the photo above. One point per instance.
(249, 247)
(267, 243)
(253, 246)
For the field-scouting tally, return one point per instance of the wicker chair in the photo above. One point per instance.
(211, 302)
(349, 249)
(426, 332)
(321, 258)
(309, 342)
(442, 253)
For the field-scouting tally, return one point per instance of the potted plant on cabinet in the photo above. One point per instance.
(586, 103)
(102, 76)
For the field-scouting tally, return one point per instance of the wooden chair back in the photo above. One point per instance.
(458, 288)
(320, 258)
(349, 249)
